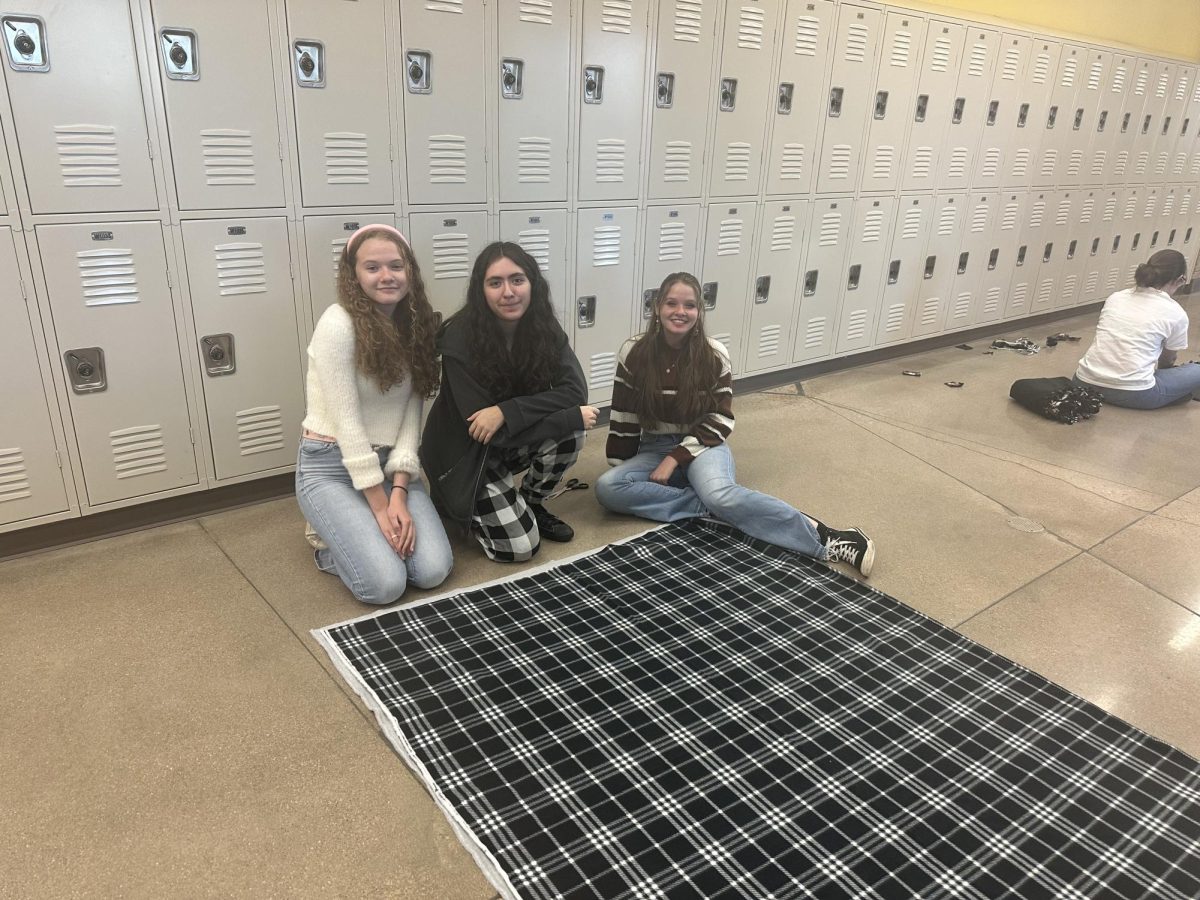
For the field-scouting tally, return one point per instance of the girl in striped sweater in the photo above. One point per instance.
(672, 413)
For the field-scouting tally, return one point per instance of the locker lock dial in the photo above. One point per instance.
(24, 44)
(665, 93)
(728, 94)
(310, 63)
(25, 41)
(417, 69)
(648, 297)
(179, 54)
(787, 91)
(85, 369)
(593, 84)
(708, 293)
(512, 79)
(217, 350)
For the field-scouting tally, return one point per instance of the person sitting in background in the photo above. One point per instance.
(1141, 330)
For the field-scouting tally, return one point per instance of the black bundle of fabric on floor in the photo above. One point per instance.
(1059, 399)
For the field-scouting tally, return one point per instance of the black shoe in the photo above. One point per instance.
(551, 527)
(851, 546)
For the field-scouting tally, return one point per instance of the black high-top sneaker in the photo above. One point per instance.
(851, 546)
(550, 526)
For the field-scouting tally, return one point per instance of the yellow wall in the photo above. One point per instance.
(1166, 27)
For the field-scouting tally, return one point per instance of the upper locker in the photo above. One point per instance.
(931, 110)
(1162, 74)
(903, 35)
(444, 101)
(77, 107)
(533, 84)
(1088, 141)
(795, 126)
(1034, 99)
(1191, 142)
(849, 102)
(339, 82)
(1186, 123)
(1056, 130)
(1112, 100)
(1127, 145)
(743, 96)
(1171, 135)
(612, 82)
(226, 153)
(1004, 118)
(682, 79)
(969, 111)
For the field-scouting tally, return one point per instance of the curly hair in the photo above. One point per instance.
(528, 366)
(697, 365)
(389, 349)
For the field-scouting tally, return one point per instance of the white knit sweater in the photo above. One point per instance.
(346, 405)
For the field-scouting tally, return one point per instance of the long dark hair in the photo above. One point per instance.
(1160, 269)
(697, 365)
(528, 366)
(388, 349)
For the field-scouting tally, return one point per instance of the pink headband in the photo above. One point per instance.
(379, 226)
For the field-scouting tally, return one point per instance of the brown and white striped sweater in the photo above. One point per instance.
(710, 430)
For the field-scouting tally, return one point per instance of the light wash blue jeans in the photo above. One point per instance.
(1170, 385)
(358, 553)
(706, 486)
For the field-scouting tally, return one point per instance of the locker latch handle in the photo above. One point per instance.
(593, 84)
(1117, 243)
(310, 63)
(960, 105)
(1125, 122)
(648, 297)
(893, 271)
(1021, 255)
(881, 98)
(1051, 117)
(217, 353)
(993, 112)
(1184, 130)
(665, 93)
(418, 70)
(1146, 125)
(855, 274)
(179, 49)
(1154, 240)
(786, 92)
(512, 79)
(728, 94)
(1077, 123)
(1071, 249)
(810, 282)
(708, 293)
(1137, 239)
(1166, 124)
(1171, 237)
(1096, 246)
(922, 107)
(962, 261)
(1187, 235)
(585, 309)
(762, 288)
(1102, 121)
(1023, 115)
(1048, 252)
(835, 102)
(993, 258)
(85, 369)
(930, 265)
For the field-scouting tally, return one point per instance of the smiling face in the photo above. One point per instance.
(507, 291)
(678, 312)
(381, 272)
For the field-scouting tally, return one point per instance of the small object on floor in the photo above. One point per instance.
(1024, 346)
(853, 547)
(1057, 399)
(1052, 341)
(1063, 336)
(573, 484)
(911, 372)
(314, 539)
(989, 352)
(964, 346)
(550, 526)
(954, 384)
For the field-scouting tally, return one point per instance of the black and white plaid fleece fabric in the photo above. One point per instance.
(694, 713)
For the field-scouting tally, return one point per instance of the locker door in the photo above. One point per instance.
(776, 284)
(903, 36)
(612, 83)
(604, 288)
(444, 84)
(969, 111)
(1083, 164)
(1098, 250)
(1150, 224)
(800, 101)
(1134, 121)
(1162, 75)
(1078, 218)
(1056, 246)
(1056, 124)
(743, 96)
(445, 245)
(1135, 198)
(226, 154)
(726, 264)
(900, 288)
(672, 242)
(1109, 138)
(108, 291)
(820, 291)
(849, 103)
(338, 67)
(1166, 216)
(31, 479)
(965, 305)
(239, 277)
(866, 268)
(1191, 142)
(324, 239)
(80, 123)
(1176, 136)
(998, 263)
(1118, 246)
(1033, 102)
(543, 235)
(1162, 131)
(1185, 224)
(941, 257)
(534, 83)
(1002, 114)
(1028, 260)
(682, 92)
(931, 111)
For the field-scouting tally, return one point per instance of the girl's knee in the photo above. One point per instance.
(606, 487)
(431, 573)
(382, 587)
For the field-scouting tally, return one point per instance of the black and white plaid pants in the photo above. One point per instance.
(503, 523)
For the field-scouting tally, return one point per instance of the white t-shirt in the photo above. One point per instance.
(1135, 326)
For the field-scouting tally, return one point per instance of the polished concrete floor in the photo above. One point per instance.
(169, 727)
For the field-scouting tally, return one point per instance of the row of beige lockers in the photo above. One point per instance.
(272, 104)
(162, 360)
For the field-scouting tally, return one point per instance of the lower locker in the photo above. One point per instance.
(776, 283)
(543, 235)
(446, 244)
(901, 285)
(725, 275)
(863, 277)
(963, 298)
(604, 288)
(670, 244)
(941, 258)
(999, 261)
(821, 284)
(324, 240)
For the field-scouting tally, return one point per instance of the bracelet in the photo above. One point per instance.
(399, 487)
